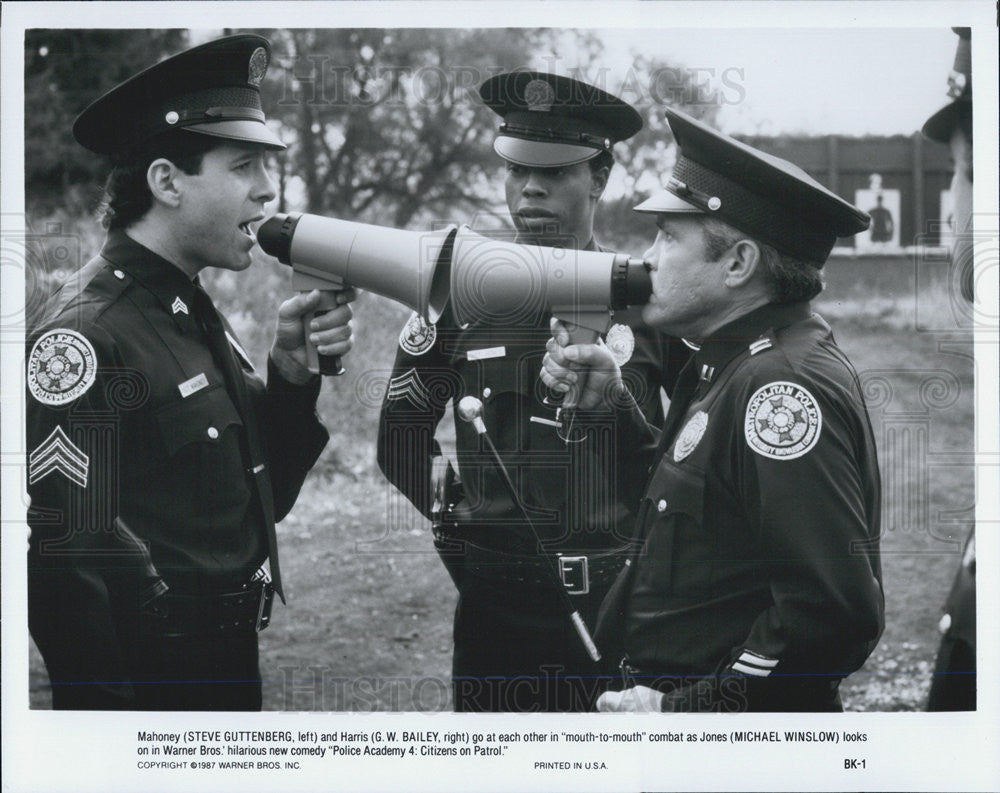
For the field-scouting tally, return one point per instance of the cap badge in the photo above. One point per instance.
(690, 435)
(956, 84)
(258, 66)
(539, 95)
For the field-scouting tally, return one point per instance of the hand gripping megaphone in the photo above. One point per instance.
(504, 283)
(411, 267)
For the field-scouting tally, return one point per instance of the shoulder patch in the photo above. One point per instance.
(417, 336)
(621, 342)
(62, 365)
(783, 421)
(690, 435)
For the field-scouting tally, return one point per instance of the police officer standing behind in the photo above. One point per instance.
(515, 650)
(954, 684)
(756, 582)
(158, 459)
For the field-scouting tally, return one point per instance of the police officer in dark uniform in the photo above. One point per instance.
(954, 684)
(756, 581)
(515, 650)
(158, 459)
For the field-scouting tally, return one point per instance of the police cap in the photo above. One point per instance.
(551, 121)
(940, 126)
(768, 198)
(212, 89)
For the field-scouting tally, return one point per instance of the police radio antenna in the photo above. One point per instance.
(470, 410)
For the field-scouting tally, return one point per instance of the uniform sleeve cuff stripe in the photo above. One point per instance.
(758, 660)
(750, 670)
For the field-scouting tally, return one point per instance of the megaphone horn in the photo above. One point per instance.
(411, 267)
(506, 283)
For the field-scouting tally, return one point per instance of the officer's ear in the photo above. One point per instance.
(742, 262)
(161, 176)
(598, 181)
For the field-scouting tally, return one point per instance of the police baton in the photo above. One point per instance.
(470, 410)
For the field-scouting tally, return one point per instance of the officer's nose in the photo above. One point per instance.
(650, 257)
(534, 185)
(265, 189)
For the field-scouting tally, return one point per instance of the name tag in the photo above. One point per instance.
(193, 385)
(486, 352)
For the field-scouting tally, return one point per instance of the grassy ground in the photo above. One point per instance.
(368, 622)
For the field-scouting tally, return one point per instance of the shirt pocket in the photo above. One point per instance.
(204, 460)
(202, 418)
(679, 552)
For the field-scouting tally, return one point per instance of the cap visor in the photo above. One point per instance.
(667, 202)
(245, 131)
(541, 154)
(940, 126)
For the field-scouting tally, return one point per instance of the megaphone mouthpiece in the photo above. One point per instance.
(275, 234)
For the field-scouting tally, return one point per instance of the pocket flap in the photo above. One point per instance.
(202, 417)
(673, 488)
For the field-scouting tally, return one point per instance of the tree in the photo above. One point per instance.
(384, 125)
(64, 71)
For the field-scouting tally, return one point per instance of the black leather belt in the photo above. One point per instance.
(246, 610)
(579, 572)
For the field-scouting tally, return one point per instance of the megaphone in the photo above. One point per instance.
(505, 283)
(411, 267)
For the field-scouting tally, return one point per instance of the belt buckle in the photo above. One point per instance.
(575, 574)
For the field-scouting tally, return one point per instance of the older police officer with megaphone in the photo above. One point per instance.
(755, 582)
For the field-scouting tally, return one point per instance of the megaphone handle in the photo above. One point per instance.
(322, 364)
(579, 334)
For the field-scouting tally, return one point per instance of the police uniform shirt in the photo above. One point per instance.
(129, 419)
(569, 489)
(760, 522)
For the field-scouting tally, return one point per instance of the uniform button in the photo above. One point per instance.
(945, 624)
(486, 392)
(213, 433)
(119, 275)
(661, 505)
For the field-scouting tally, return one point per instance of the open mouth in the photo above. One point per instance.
(247, 228)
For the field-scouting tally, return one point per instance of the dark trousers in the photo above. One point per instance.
(954, 684)
(516, 656)
(205, 672)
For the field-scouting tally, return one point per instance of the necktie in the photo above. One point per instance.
(611, 621)
(684, 391)
(236, 386)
